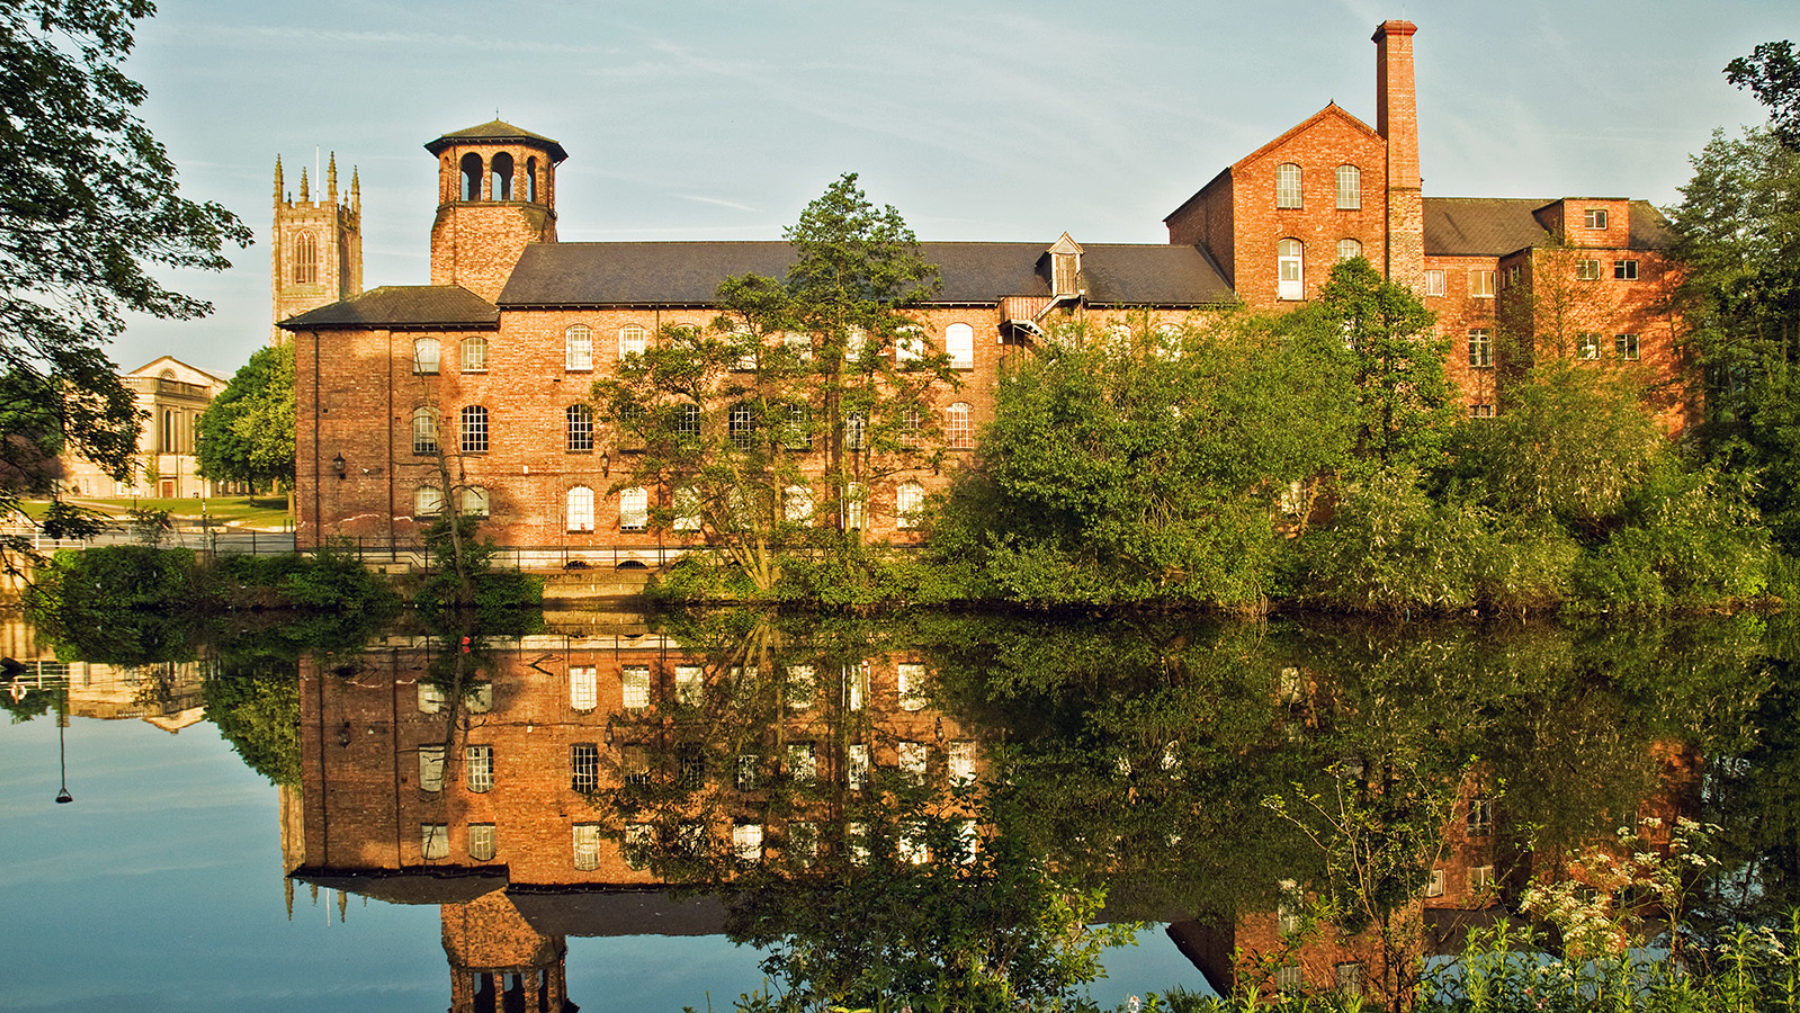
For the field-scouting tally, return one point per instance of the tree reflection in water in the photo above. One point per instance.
(965, 811)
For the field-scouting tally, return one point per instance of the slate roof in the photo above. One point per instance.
(687, 274)
(1492, 226)
(409, 886)
(496, 132)
(403, 307)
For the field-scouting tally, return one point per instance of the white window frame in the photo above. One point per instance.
(632, 339)
(578, 349)
(1587, 345)
(802, 685)
(584, 687)
(586, 846)
(856, 767)
(425, 430)
(1594, 218)
(482, 843)
(802, 762)
(634, 687)
(1434, 281)
(1481, 283)
(1481, 347)
(428, 501)
(1628, 347)
(909, 678)
(434, 841)
(797, 504)
(584, 767)
(1587, 269)
(473, 501)
(578, 509)
(690, 685)
(478, 768)
(747, 842)
(687, 509)
(474, 429)
(909, 497)
(959, 761)
(472, 354)
(1625, 270)
(913, 759)
(1349, 188)
(427, 356)
(1288, 192)
(1349, 248)
(909, 344)
(959, 426)
(1290, 269)
(959, 341)
(431, 768)
(856, 506)
(638, 840)
(634, 508)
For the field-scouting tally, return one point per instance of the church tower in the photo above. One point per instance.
(496, 194)
(315, 247)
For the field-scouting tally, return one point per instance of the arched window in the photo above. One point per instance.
(168, 432)
(1287, 185)
(580, 420)
(959, 341)
(578, 348)
(531, 180)
(474, 429)
(1349, 187)
(740, 425)
(473, 501)
(425, 355)
(306, 259)
(1292, 274)
(472, 353)
(428, 501)
(1348, 248)
(957, 433)
(909, 344)
(471, 176)
(425, 431)
(634, 509)
(631, 340)
(501, 188)
(579, 508)
(908, 498)
(856, 430)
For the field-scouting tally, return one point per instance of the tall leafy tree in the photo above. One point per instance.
(1405, 403)
(1772, 73)
(89, 204)
(767, 430)
(1738, 232)
(247, 433)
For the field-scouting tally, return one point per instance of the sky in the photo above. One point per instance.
(978, 120)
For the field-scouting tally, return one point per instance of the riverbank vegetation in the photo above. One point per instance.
(1314, 460)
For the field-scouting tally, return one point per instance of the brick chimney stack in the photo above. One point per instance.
(1397, 120)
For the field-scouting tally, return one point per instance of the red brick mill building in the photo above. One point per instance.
(507, 339)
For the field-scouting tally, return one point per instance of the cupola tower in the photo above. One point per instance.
(496, 193)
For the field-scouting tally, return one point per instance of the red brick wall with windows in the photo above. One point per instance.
(1328, 140)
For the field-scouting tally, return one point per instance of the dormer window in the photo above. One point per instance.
(1594, 218)
(1065, 268)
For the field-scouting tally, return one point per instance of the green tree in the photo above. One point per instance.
(1738, 233)
(89, 205)
(1405, 403)
(766, 430)
(247, 433)
(1772, 73)
(1149, 468)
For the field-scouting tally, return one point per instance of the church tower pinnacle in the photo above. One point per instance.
(315, 247)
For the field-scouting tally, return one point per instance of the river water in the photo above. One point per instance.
(629, 812)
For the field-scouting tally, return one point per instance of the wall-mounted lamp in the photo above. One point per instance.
(337, 465)
(605, 465)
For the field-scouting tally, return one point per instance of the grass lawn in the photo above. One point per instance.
(268, 512)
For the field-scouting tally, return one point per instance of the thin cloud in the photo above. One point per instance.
(717, 201)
